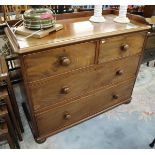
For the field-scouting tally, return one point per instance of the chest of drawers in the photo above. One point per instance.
(78, 72)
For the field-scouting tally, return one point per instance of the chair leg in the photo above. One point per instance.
(15, 122)
(14, 102)
(10, 141)
(12, 132)
(147, 64)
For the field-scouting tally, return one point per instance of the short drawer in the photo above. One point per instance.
(59, 60)
(121, 46)
(60, 117)
(53, 90)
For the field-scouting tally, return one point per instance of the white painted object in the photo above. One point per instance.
(122, 15)
(97, 17)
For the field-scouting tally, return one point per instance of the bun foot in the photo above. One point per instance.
(127, 102)
(40, 141)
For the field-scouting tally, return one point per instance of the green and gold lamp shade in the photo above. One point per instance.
(39, 18)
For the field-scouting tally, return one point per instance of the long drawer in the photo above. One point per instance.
(59, 60)
(60, 117)
(121, 46)
(50, 91)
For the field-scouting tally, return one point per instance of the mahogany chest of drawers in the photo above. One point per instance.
(78, 72)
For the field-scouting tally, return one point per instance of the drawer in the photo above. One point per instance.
(59, 118)
(59, 60)
(50, 91)
(121, 46)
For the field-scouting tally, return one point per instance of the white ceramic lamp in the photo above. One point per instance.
(122, 15)
(97, 17)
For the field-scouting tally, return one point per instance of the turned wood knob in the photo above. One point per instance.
(65, 61)
(65, 90)
(125, 47)
(115, 96)
(119, 72)
(67, 116)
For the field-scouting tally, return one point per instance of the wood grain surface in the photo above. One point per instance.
(57, 118)
(78, 72)
(75, 30)
(121, 46)
(48, 92)
(51, 62)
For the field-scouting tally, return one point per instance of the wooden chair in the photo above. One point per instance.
(13, 68)
(7, 131)
(59, 9)
(1, 15)
(1, 19)
(5, 135)
(4, 99)
(5, 83)
(12, 12)
(8, 12)
(12, 62)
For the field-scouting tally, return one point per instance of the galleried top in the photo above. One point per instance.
(74, 30)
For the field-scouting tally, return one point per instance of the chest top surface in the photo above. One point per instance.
(74, 30)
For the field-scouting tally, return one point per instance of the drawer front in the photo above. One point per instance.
(49, 92)
(59, 60)
(120, 46)
(60, 117)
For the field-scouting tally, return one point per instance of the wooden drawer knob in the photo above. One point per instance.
(67, 116)
(119, 72)
(65, 90)
(125, 47)
(115, 96)
(65, 61)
